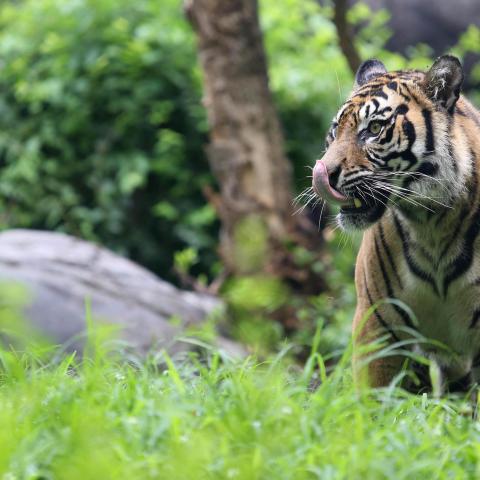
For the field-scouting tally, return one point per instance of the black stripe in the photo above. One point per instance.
(388, 135)
(347, 110)
(456, 231)
(464, 212)
(425, 168)
(425, 253)
(463, 261)
(409, 131)
(389, 254)
(414, 268)
(401, 109)
(429, 141)
(428, 168)
(475, 318)
(386, 279)
(400, 91)
(384, 110)
(476, 361)
(374, 159)
(379, 317)
(372, 93)
(407, 154)
(412, 95)
(354, 181)
(379, 93)
(370, 86)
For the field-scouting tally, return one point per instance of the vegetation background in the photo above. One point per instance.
(102, 135)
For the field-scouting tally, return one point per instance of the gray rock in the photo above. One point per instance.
(61, 273)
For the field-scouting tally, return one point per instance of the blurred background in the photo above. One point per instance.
(113, 129)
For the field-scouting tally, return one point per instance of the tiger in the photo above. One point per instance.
(402, 163)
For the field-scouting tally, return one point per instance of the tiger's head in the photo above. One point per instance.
(389, 145)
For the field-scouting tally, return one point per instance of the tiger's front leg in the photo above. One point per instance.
(374, 328)
(367, 331)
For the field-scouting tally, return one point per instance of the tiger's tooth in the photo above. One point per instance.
(357, 202)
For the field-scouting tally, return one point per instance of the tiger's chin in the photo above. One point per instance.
(360, 218)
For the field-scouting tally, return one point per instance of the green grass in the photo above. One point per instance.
(220, 419)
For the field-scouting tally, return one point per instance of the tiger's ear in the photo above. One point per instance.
(443, 81)
(368, 70)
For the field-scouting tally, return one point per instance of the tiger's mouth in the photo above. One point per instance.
(359, 205)
(360, 214)
(356, 207)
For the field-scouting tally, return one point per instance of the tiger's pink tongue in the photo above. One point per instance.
(322, 187)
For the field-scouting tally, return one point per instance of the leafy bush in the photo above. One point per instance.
(101, 126)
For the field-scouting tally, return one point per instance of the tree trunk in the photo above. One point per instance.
(246, 152)
(345, 34)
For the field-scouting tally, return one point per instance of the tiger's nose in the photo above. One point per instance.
(333, 177)
(323, 181)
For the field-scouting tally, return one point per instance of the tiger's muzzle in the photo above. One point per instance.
(355, 212)
(321, 186)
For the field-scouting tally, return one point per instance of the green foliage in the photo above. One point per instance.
(185, 259)
(308, 75)
(220, 419)
(257, 292)
(469, 44)
(252, 301)
(251, 243)
(332, 310)
(102, 129)
(14, 329)
(255, 300)
(101, 125)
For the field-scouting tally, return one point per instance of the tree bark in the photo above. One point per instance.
(246, 152)
(345, 34)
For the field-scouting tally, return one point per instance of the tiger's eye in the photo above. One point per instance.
(375, 127)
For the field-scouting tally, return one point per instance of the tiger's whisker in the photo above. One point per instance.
(396, 189)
